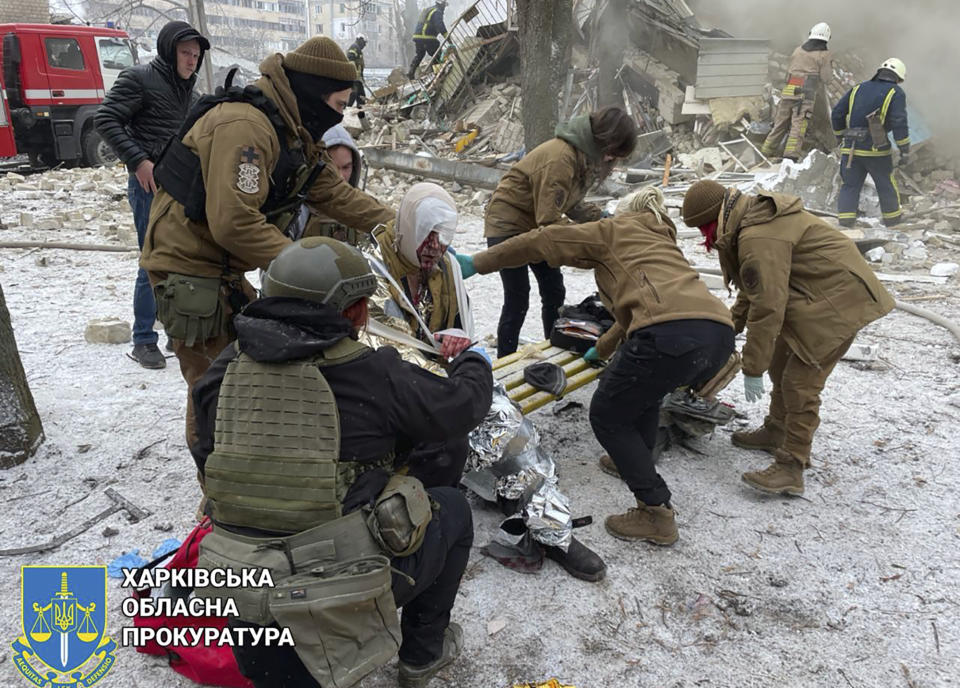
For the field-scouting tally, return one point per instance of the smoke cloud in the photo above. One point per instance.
(922, 33)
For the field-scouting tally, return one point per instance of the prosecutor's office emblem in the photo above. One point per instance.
(248, 172)
(63, 611)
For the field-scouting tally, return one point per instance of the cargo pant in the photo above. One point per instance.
(437, 568)
(795, 397)
(194, 360)
(793, 120)
(424, 47)
(880, 168)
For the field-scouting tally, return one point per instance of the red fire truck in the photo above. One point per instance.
(52, 80)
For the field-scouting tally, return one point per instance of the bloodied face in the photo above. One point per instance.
(430, 251)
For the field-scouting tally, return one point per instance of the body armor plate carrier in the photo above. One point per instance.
(275, 466)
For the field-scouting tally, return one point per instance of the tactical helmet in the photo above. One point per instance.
(320, 269)
(820, 31)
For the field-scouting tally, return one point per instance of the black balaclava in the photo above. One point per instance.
(310, 91)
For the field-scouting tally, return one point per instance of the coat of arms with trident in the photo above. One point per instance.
(65, 607)
(61, 633)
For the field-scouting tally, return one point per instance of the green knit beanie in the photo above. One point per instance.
(320, 56)
(701, 205)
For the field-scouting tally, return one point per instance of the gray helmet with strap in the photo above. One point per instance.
(320, 269)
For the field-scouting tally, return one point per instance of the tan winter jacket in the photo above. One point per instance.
(803, 64)
(230, 139)
(798, 276)
(547, 183)
(641, 273)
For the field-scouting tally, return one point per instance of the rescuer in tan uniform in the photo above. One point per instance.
(670, 330)
(232, 183)
(809, 72)
(548, 183)
(804, 292)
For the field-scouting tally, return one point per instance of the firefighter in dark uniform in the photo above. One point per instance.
(355, 55)
(298, 427)
(862, 120)
(429, 26)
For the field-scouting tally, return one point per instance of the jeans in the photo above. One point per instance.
(437, 568)
(651, 363)
(144, 305)
(516, 300)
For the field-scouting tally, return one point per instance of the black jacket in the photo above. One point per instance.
(386, 405)
(149, 102)
(430, 24)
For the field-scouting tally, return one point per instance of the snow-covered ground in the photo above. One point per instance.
(855, 584)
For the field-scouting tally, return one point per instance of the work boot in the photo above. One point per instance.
(784, 476)
(149, 356)
(608, 466)
(764, 438)
(579, 561)
(418, 676)
(654, 524)
(169, 345)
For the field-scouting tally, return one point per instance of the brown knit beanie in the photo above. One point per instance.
(320, 56)
(701, 205)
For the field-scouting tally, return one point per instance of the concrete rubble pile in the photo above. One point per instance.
(90, 200)
(697, 117)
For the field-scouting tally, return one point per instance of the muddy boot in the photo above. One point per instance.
(765, 438)
(654, 524)
(783, 476)
(608, 466)
(579, 561)
(418, 676)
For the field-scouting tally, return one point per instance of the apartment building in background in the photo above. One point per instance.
(253, 28)
(24, 11)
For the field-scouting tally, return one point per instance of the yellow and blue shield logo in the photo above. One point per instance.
(63, 611)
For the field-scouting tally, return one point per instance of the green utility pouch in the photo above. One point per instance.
(190, 307)
(400, 516)
(343, 539)
(343, 618)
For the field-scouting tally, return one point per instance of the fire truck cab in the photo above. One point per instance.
(53, 78)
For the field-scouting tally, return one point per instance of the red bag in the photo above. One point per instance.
(213, 666)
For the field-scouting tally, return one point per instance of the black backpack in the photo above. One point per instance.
(579, 327)
(179, 172)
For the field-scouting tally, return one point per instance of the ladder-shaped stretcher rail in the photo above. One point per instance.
(509, 372)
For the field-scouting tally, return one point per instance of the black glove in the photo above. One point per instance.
(365, 490)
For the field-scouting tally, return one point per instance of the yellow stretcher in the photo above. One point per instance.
(509, 372)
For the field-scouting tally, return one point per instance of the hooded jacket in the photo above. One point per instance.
(238, 150)
(642, 276)
(386, 406)
(149, 102)
(318, 223)
(797, 276)
(547, 183)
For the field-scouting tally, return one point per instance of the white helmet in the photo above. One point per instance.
(896, 66)
(362, 37)
(820, 32)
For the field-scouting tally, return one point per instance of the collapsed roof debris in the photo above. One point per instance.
(702, 100)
